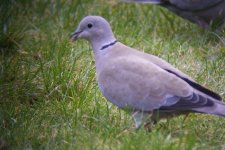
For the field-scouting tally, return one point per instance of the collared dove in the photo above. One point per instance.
(203, 12)
(143, 83)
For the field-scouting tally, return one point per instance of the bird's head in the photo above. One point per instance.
(93, 28)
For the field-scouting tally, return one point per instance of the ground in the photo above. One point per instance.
(48, 93)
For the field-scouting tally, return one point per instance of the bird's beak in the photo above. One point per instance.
(75, 35)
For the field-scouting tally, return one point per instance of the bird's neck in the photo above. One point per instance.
(101, 46)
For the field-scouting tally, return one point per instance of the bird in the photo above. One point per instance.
(208, 14)
(148, 87)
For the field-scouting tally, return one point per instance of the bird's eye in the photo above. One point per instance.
(89, 25)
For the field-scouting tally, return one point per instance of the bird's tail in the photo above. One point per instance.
(218, 109)
(144, 1)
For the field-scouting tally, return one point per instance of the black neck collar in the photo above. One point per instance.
(107, 45)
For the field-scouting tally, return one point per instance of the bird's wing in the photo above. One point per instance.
(193, 5)
(186, 5)
(189, 103)
(145, 1)
(171, 69)
(197, 103)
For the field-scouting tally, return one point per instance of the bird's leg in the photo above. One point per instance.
(140, 117)
(147, 124)
(203, 24)
(150, 122)
(185, 118)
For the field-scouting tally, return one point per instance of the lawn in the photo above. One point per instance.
(49, 98)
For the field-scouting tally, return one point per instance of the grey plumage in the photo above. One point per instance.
(143, 83)
(205, 13)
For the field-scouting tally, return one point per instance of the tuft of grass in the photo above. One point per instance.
(49, 98)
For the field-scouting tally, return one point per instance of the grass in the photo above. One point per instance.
(49, 98)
